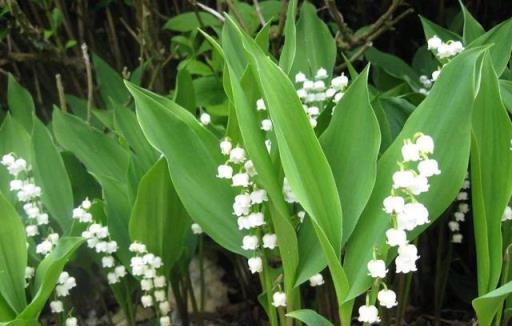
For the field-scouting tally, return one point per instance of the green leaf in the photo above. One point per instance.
(290, 39)
(472, 28)
(13, 139)
(486, 306)
(188, 22)
(13, 256)
(452, 153)
(351, 144)
(491, 176)
(394, 66)
(51, 175)
(184, 94)
(304, 163)
(309, 317)
(126, 122)
(263, 36)
(158, 218)
(48, 273)
(193, 156)
(101, 154)
(430, 29)
(6, 312)
(244, 100)
(20, 103)
(109, 82)
(499, 38)
(108, 162)
(317, 48)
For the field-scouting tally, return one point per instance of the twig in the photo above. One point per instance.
(115, 41)
(338, 19)
(60, 90)
(211, 11)
(88, 70)
(258, 12)
(237, 14)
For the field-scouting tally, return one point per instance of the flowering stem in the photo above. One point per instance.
(193, 298)
(266, 283)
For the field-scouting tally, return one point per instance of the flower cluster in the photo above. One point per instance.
(64, 284)
(98, 238)
(29, 196)
(314, 92)
(406, 214)
(460, 215)
(444, 52)
(145, 265)
(247, 205)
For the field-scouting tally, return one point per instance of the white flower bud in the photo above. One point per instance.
(225, 146)
(147, 301)
(393, 204)
(56, 306)
(377, 268)
(316, 280)
(269, 241)
(255, 264)
(237, 155)
(406, 260)
(425, 144)
(250, 242)
(387, 298)
(279, 299)
(396, 237)
(205, 118)
(240, 180)
(266, 125)
(224, 171)
(428, 168)
(196, 228)
(368, 314)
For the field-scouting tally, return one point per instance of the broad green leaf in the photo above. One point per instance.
(263, 36)
(22, 322)
(193, 155)
(304, 163)
(184, 94)
(394, 66)
(13, 139)
(13, 256)
(101, 154)
(491, 176)
(51, 175)
(472, 28)
(431, 29)
(290, 38)
(351, 144)
(506, 93)
(315, 44)
(20, 103)
(47, 274)
(244, 100)
(231, 46)
(309, 317)
(79, 108)
(108, 162)
(487, 305)
(6, 312)
(109, 82)
(499, 38)
(126, 122)
(452, 154)
(189, 22)
(158, 218)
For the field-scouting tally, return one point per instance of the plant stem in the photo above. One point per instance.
(266, 283)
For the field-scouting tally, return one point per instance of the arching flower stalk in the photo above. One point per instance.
(444, 53)
(406, 214)
(460, 214)
(37, 227)
(98, 238)
(314, 93)
(145, 266)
